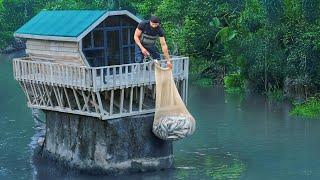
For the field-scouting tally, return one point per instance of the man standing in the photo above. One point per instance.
(146, 35)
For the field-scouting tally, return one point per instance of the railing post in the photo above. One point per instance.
(101, 77)
(51, 74)
(113, 76)
(94, 75)
(127, 75)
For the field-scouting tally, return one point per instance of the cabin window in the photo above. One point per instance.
(113, 47)
(95, 57)
(111, 42)
(98, 38)
(125, 36)
(113, 21)
(87, 41)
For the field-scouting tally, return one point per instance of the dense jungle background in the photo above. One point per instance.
(270, 47)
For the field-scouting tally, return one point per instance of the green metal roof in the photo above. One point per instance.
(63, 23)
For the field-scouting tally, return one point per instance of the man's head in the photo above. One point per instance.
(154, 21)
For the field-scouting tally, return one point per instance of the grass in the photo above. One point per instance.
(308, 109)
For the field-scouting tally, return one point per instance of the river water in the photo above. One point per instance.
(237, 137)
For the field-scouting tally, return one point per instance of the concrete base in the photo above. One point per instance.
(101, 147)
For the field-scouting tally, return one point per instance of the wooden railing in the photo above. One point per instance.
(94, 78)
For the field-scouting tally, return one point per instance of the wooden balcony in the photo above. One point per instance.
(93, 78)
(103, 92)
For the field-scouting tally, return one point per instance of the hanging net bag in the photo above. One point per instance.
(172, 120)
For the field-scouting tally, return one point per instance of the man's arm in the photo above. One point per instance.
(137, 35)
(165, 50)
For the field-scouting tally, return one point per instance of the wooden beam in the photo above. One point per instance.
(111, 102)
(67, 96)
(141, 98)
(131, 99)
(77, 99)
(121, 100)
(94, 102)
(86, 100)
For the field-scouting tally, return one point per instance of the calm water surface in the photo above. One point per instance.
(236, 138)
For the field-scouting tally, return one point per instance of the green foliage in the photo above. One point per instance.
(265, 41)
(226, 34)
(234, 83)
(308, 109)
(275, 94)
(15, 13)
(196, 67)
(81, 4)
(203, 82)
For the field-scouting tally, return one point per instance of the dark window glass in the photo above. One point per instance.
(113, 21)
(126, 55)
(125, 37)
(86, 41)
(113, 47)
(132, 35)
(98, 38)
(127, 21)
(95, 57)
(132, 51)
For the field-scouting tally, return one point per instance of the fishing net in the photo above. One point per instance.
(172, 120)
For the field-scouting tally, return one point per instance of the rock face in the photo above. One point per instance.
(100, 147)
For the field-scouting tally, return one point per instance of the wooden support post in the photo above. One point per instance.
(77, 99)
(25, 90)
(35, 96)
(131, 97)
(67, 96)
(86, 100)
(111, 101)
(56, 95)
(94, 102)
(102, 111)
(141, 98)
(121, 101)
(48, 95)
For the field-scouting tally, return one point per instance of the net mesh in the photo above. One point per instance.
(172, 120)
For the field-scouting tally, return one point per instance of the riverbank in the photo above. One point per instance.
(303, 103)
(16, 45)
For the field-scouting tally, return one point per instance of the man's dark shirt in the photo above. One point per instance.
(144, 26)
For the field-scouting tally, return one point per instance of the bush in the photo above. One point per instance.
(234, 83)
(308, 109)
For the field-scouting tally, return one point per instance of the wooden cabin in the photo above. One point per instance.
(83, 62)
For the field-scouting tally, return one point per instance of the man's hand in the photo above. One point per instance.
(145, 52)
(169, 64)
